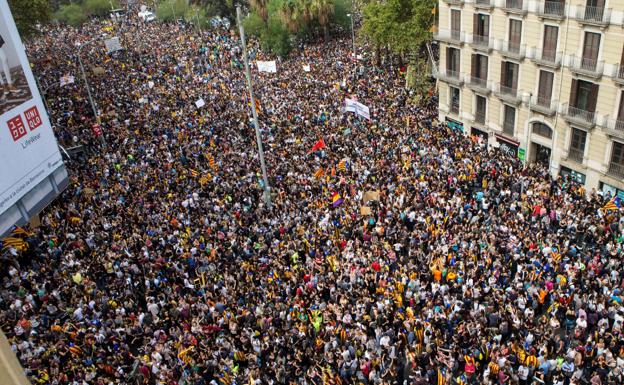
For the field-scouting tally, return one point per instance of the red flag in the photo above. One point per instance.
(319, 145)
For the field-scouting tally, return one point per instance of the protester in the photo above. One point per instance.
(439, 261)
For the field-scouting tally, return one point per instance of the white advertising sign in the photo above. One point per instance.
(28, 149)
(357, 107)
(113, 44)
(267, 66)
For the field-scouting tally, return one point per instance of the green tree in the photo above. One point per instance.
(29, 13)
(402, 26)
(261, 8)
(99, 7)
(71, 14)
(322, 11)
(172, 9)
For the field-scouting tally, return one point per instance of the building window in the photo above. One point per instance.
(515, 35)
(479, 68)
(591, 46)
(544, 88)
(583, 96)
(542, 130)
(454, 92)
(481, 28)
(509, 76)
(577, 145)
(455, 23)
(616, 166)
(481, 108)
(452, 62)
(510, 120)
(549, 47)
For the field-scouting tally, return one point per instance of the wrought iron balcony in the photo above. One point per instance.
(575, 154)
(516, 6)
(547, 58)
(587, 66)
(513, 50)
(454, 2)
(615, 127)
(450, 36)
(483, 43)
(508, 94)
(554, 10)
(479, 117)
(543, 105)
(479, 85)
(488, 4)
(599, 16)
(578, 116)
(449, 76)
(616, 169)
(618, 74)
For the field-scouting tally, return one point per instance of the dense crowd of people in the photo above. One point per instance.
(443, 262)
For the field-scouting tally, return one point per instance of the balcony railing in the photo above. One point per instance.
(616, 169)
(547, 58)
(575, 154)
(508, 127)
(482, 42)
(552, 9)
(455, 108)
(587, 66)
(579, 116)
(449, 76)
(615, 127)
(593, 15)
(480, 117)
(454, 2)
(516, 6)
(478, 83)
(513, 49)
(508, 94)
(618, 73)
(450, 36)
(484, 3)
(543, 105)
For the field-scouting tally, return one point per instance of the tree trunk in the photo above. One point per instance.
(376, 60)
(326, 32)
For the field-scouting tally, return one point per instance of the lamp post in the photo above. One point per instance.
(350, 15)
(267, 189)
(84, 78)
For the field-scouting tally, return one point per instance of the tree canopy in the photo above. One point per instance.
(29, 13)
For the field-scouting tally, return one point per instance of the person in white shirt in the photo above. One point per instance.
(6, 70)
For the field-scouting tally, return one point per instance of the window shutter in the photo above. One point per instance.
(473, 68)
(593, 97)
(573, 93)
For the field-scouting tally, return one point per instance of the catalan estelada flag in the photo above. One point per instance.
(343, 165)
(194, 173)
(319, 173)
(614, 204)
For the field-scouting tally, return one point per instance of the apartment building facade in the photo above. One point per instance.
(541, 80)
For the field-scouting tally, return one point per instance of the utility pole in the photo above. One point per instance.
(84, 78)
(350, 15)
(267, 189)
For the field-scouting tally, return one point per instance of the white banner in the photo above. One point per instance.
(306, 67)
(28, 148)
(357, 107)
(200, 103)
(67, 79)
(267, 66)
(113, 44)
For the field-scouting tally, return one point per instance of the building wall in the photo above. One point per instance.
(597, 154)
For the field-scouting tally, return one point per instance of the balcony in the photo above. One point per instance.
(450, 36)
(454, 2)
(615, 127)
(479, 117)
(575, 154)
(449, 76)
(454, 109)
(579, 117)
(513, 50)
(508, 127)
(586, 66)
(482, 43)
(519, 7)
(616, 169)
(547, 58)
(544, 106)
(487, 4)
(598, 16)
(618, 73)
(478, 85)
(508, 94)
(554, 10)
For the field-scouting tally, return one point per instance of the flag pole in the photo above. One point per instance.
(267, 189)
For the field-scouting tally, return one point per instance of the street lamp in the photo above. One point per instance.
(352, 34)
(84, 78)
